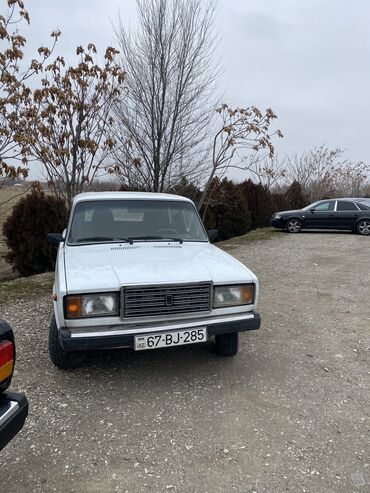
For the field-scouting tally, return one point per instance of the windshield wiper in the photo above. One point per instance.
(153, 237)
(180, 240)
(103, 238)
(144, 238)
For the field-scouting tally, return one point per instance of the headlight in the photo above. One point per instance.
(276, 216)
(91, 305)
(242, 294)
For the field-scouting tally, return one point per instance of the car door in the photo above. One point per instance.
(321, 215)
(345, 214)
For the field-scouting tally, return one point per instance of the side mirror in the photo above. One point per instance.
(55, 238)
(212, 234)
(64, 234)
(312, 210)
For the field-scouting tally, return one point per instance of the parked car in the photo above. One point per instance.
(138, 270)
(346, 214)
(13, 407)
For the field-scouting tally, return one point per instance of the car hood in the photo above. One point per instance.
(289, 213)
(90, 268)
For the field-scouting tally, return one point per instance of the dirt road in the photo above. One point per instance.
(291, 412)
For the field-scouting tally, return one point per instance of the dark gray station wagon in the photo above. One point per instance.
(345, 214)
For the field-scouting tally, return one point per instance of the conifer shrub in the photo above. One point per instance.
(295, 197)
(280, 202)
(25, 232)
(227, 210)
(259, 202)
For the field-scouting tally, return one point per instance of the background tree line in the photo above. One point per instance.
(145, 116)
(148, 113)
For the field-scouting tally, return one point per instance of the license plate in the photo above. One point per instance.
(167, 339)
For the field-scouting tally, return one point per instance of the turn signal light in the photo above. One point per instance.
(73, 306)
(248, 293)
(6, 360)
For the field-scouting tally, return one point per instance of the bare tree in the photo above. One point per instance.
(324, 172)
(242, 131)
(351, 179)
(164, 115)
(69, 120)
(14, 92)
(315, 170)
(269, 171)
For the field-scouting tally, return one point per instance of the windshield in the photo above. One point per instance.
(135, 220)
(311, 206)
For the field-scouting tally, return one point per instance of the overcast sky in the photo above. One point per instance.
(308, 60)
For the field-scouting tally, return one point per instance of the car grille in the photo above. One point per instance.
(166, 300)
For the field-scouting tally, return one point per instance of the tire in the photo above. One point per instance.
(60, 358)
(363, 227)
(294, 226)
(227, 344)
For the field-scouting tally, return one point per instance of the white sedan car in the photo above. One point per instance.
(138, 270)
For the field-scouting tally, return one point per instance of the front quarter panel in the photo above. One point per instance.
(246, 276)
(60, 285)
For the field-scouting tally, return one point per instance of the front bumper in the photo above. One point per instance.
(105, 338)
(277, 223)
(13, 413)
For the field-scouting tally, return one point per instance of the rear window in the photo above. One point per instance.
(363, 207)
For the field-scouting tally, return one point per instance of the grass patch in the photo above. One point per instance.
(26, 287)
(260, 234)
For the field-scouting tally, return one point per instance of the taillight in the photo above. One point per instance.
(6, 360)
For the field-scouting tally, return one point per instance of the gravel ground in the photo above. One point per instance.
(289, 413)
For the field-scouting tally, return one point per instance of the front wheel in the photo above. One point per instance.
(62, 359)
(363, 227)
(294, 226)
(227, 344)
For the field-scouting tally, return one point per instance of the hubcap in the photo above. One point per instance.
(364, 228)
(294, 226)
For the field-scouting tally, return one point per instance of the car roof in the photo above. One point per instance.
(85, 196)
(346, 199)
(355, 199)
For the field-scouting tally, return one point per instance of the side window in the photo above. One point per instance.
(325, 206)
(346, 206)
